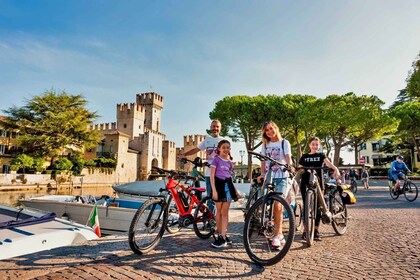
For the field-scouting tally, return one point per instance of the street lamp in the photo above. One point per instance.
(242, 153)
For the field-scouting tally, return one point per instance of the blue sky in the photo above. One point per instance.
(202, 51)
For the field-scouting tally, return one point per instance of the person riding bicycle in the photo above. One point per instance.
(277, 148)
(314, 159)
(396, 171)
(210, 145)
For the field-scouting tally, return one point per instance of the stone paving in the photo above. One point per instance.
(382, 242)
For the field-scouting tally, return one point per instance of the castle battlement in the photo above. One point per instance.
(104, 126)
(148, 130)
(150, 98)
(122, 107)
(193, 140)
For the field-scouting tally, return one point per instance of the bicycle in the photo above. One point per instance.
(408, 188)
(255, 192)
(151, 219)
(334, 210)
(353, 185)
(259, 227)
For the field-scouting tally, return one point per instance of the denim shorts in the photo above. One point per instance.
(397, 176)
(228, 196)
(281, 185)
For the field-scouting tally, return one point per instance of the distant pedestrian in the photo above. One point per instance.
(365, 178)
(343, 177)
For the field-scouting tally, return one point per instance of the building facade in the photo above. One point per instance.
(370, 153)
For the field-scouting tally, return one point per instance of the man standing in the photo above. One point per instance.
(210, 146)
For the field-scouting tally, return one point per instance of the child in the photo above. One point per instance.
(314, 159)
(278, 148)
(223, 190)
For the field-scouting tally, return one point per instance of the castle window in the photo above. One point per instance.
(125, 125)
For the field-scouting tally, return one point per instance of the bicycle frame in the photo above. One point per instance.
(314, 182)
(185, 208)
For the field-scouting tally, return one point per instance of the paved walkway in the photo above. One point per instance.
(382, 242)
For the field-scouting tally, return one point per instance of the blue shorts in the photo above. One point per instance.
(228, 196)
(281, 185)
(396, 176)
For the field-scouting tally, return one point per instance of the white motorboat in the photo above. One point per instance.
(23, 231)
(114, 214)
(141, 189)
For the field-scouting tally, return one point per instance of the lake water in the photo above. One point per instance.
(12, 197)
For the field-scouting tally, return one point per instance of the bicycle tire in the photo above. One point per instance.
(339, 213)
(147, 227)
(411, 191)
(204, 220)
(257, 236)
(354, 186)
(298, 216)
(392, 194)
(310, 215)
(172, 226)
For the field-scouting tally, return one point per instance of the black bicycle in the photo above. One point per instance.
(331, 205)
(406, 187)
(259, 226)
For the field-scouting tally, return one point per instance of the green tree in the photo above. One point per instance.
(409, 128)
(351, 120)
(52, 123)
(23, 161)
(242, 118)
(62, 164)
(297, 119)
(413, 80)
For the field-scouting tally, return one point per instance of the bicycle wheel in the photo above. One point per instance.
(410, 191)
(147, 226)
(258, 233)
(310, 215)
(392, 194)
(172, 226)
(354, 186)
(339, 213)
(298, 216)
(204, 220)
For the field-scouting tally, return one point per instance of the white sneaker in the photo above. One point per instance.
(278, 241)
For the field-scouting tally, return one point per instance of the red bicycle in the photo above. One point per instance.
(151, 219)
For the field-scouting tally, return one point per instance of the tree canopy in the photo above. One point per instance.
(52, 123)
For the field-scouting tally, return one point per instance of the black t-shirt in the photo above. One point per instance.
(312, 160)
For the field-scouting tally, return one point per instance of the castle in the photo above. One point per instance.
(136, 141)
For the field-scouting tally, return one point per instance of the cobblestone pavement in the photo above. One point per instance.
(382, 242)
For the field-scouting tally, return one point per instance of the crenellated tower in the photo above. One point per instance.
(131, 119)
(153, 105)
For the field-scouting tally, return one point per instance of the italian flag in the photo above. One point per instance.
(94, 220)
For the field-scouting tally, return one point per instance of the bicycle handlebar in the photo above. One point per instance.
(272, 161)
(173, 173)
(197, 162)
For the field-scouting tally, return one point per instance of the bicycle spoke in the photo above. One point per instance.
(147, 228)
(339, 212)
(258, 236)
